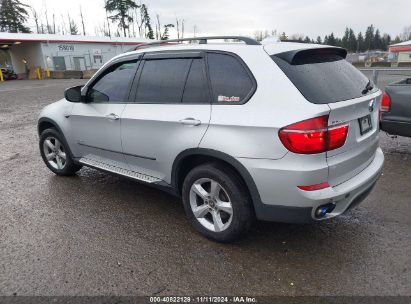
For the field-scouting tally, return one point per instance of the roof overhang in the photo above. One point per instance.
(13, 38)
(395, 49)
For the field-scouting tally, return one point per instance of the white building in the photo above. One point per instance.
(401, 52)
(60, 53)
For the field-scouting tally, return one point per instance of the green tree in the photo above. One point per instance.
(13, 14)
(120, 10)
(360, 43)
(148, 30)
(396, 40)
(386, 41)
(344, 40)
(319, 40)
(283, 37)
(73, 28)
(369, 38)
(165, 34)
(331, 40)
(378, 44)
(307, 39)
(352, 41)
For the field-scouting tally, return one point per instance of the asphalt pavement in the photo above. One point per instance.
(98, 234)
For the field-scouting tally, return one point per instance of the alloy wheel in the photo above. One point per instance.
(211, 204)
(54, 153)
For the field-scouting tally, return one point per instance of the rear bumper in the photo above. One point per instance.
(344, 196)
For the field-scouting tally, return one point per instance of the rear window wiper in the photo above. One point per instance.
(367, 88)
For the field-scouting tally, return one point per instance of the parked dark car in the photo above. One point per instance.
(396, 108)
(8, 74)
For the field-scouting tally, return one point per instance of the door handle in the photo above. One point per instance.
(190, 122)
(112, 116)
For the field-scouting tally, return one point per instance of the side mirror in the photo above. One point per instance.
(73, 94)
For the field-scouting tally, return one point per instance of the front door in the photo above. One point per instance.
(96, 123)
(170, 114)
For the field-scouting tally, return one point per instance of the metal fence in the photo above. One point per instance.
(384, 76)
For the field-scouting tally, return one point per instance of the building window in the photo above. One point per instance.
(97, 59)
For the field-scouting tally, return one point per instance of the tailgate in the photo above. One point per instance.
(362, 116)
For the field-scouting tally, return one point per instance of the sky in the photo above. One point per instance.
(241, 17)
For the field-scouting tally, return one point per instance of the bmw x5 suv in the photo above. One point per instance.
(240, 131)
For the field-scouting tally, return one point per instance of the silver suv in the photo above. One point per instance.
(241, 131)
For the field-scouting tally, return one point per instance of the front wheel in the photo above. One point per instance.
(216, 202)
(56, 154)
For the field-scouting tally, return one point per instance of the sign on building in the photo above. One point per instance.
(97, 56)
(66, 47)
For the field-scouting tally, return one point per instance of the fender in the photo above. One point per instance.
(48, 120)
(255, 196)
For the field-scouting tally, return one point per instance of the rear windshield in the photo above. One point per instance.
(324, 78)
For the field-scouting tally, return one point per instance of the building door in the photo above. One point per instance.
(59, 63)
(79, 63)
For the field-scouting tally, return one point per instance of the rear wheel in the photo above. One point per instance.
(216, 202)
(55, 153)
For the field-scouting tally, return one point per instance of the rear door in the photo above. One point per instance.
(170, 113)
(323, 76)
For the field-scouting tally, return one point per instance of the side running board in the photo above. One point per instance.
(117, 170)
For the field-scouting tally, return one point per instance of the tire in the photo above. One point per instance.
(52, 148)
(216, 223)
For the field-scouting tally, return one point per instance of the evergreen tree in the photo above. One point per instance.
(121, 9)
(165, 34)
(344, 40)
(352, 41)
(13, 14)
(378, 45)
(73, 28)
(283, 37)
(386, 41)
(326, 39)
(331, 40)
(369, 38)
(319, 41)
(148, 30)
(360, 43)
(396, 40)
(307, 39)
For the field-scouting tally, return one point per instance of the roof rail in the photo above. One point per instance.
(202, 40)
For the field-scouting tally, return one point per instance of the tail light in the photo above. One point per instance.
(385, 103)
(313, 136)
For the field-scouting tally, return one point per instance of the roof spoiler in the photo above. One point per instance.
(296, 57)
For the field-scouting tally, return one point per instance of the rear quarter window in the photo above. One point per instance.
(324, 78)
(230, 81)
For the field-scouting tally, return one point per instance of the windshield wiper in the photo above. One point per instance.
(367, 88)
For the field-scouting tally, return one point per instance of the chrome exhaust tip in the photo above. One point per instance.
(323, 210)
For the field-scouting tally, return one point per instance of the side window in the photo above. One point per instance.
(196, 87)
(113, 85)
(230, 81)
(162, 80)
